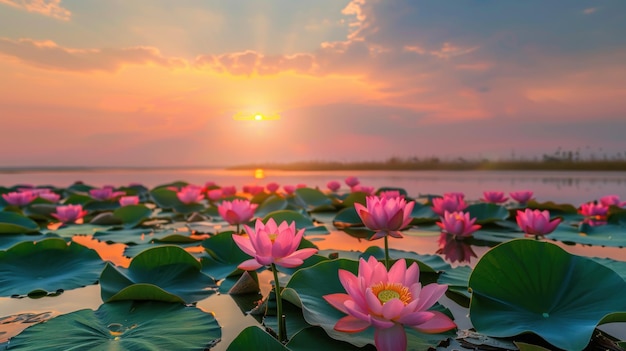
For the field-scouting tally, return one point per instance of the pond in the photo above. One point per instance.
(572, 188)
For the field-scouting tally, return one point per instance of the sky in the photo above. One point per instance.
(178, 83)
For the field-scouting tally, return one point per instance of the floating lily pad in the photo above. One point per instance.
(423, 214)
(14, 223)
(254, 338)
(347, 218)
(6, 241)
(355, 197)
(315, 339)
(552, 207)
(487, 212)
(132, 215)
(605, 235)
(47, 266)
(69, 230)
(165, 273)
(532, 286)
(126, 236)
(271, 204)
(224, 256)
(132, 326)
(313, 199)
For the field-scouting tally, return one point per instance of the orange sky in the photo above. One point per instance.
(151, 83)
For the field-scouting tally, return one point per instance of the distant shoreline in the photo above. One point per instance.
(552, 165)
(427, 165)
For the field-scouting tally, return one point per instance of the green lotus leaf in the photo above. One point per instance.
(354, 197)
(69, 230)
(618, 266)
(132, 215)
(127, 236)
(260, 197)
(313, 199)
(6, 241)
(101, 205)
(347, 218)
(40, 211)
(487, 212)
(14, 223)
(531, 286)
(48, 265)
(77, 199)
(306, 289)
(254, 338)
(271, 204)
(165, 273)
(423, 214)
(224, 256)
(131, 326)
(497, 236)
(189, 208)
(554, 208)
(164, 198)
(606, 235)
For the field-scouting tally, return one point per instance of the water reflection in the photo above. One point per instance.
(455, 249)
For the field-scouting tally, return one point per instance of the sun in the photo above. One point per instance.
(258, 117)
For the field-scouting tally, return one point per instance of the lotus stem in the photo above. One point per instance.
(237, 228)
(386, 252)
(280, 317)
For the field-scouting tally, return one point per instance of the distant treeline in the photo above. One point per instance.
(437, 164)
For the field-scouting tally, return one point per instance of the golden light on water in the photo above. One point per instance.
(259, 174)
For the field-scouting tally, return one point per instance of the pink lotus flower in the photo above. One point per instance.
(300, 185)
(69, 213)
(289, 189)
(457, 194)
(129, 200)
(272, 187)
(237, 211)
(388, 194)
(594, 210)
(352, 181)
(449, 202)
(333, 185)
(369, 190)
(385, 216)
(21, 198)
(494, 197)
(272, 244)
(214, 194)
(50, 196)
(105, 193)
(253, 189)
(521, 196)
(612, 200)
(458, 224)
(455, 250)
(536, 222)
(190, 194)
(228, 190)
(388, 301)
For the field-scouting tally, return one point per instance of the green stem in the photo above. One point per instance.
(237, 228)
(282, 328)
(386, 252)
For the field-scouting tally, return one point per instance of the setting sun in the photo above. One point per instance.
(258, 117)
(247, 116)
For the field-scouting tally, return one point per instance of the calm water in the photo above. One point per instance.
(565, 187)
(559, 186)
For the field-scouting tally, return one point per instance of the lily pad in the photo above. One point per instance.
(487, 212)
(347, 218)
(164, 273)
(224, 256)
(254, 338)
(423, 214)
(271, 204)
(313, 199)
(48, 266)
(126, 325)
(531, 286)
(605, 235)
(314, 339)
(14, 223)
(132, 215)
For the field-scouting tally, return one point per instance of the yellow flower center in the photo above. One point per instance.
(272, 237)
(458, 217)
(388, 291)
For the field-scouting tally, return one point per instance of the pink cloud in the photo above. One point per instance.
(47, 54)
(51, 8)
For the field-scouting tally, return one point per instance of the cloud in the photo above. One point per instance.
(589, 11)
(51, 8)
(47, 54)
(251, 62)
